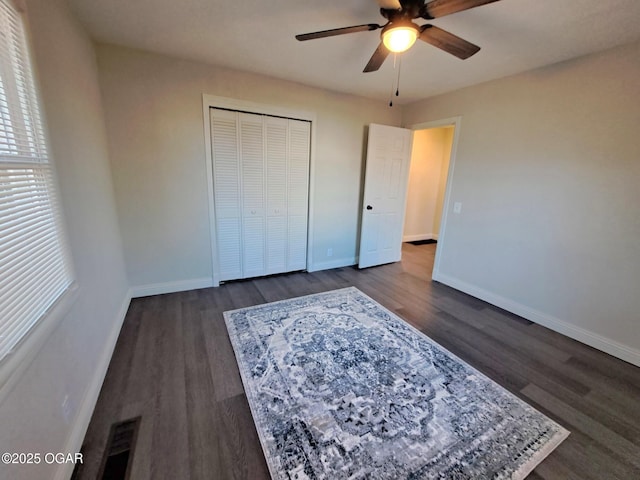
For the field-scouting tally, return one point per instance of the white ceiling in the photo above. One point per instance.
(258, 36)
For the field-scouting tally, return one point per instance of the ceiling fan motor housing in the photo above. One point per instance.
(399, 23)
(410, 9)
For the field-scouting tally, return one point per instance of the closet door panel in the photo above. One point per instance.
(276, 161)
(253, 195)
(227, 193)
(298, 181)
(298, 193)
(277, 238)
(254, 247)
(276, 192)
(252, 163)
(297, 243)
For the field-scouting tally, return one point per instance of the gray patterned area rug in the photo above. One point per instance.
(341, 388)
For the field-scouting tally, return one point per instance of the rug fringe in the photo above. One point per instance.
(528, 467)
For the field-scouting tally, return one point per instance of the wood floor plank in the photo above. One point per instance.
(572, 418)
(204, 441)
(241, 449)
(170, 440)
(478, 357)
(271, 289)
(174, 366)
(607, 416)
(219, 353)
(555, 467)
(535, 476)
(609, 378)
(244, 294)
(541, 373)
(499, 327)
(625, 406)
(595, 457)
(215, 299)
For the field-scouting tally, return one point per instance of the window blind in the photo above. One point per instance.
(34, 265)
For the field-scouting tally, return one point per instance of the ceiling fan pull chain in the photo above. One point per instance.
(391, 94)
(393, 83)
(398, 82)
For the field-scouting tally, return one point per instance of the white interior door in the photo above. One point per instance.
(385, 193)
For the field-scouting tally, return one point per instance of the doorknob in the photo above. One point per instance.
(369, 207)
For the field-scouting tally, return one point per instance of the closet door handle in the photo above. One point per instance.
(369, 207)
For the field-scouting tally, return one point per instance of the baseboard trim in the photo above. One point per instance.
(170, 287)
(337, 263)
(595, 340)
(90, 398)
(417, 238)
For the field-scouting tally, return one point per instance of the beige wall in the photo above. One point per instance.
(447, 142)
(154, 119)
(547, 169)
(427, 182)
(72, 362)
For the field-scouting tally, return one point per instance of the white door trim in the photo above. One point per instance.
(212, 101)
(445, 122)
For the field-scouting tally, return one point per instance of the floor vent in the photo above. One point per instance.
(116, 464)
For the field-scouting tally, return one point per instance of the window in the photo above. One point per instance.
(34, 261)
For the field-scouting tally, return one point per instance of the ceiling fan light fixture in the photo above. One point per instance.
(400, 38)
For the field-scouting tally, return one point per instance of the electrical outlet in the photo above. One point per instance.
(329, 252)
(457, 207)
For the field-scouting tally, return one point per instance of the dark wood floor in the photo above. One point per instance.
(174, 366)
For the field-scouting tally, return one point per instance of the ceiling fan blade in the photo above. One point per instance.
(377, 59)
(390, 4)
(338, 31)
(440, 8)
(448, 42)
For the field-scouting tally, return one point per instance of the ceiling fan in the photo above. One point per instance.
(400, 32)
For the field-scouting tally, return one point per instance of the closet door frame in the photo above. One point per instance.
(212, 101)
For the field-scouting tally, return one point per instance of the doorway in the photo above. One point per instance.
(430, 168)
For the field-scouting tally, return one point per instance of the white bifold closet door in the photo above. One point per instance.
(261, 185)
